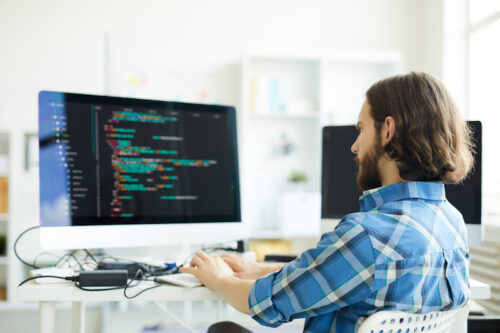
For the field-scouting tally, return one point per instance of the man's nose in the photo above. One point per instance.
(354, 147)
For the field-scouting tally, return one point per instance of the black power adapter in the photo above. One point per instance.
(130, 267)
(102, 278)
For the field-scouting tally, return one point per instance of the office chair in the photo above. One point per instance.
(451, 321)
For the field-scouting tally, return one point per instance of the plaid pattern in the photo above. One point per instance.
(405, 250)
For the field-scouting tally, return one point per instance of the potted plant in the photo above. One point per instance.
(297, 179)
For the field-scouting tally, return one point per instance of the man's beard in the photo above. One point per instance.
(368, 173)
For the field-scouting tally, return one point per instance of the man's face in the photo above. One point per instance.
(368, 150)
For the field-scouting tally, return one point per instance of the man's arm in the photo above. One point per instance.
(339, 271)
(235, 291)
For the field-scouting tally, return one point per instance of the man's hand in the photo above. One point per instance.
(210, 270)
(244, 269)
(216, 275)
(248, 270)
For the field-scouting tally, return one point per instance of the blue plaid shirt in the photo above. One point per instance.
(406, 250)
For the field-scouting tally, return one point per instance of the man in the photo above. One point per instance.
(405, 250)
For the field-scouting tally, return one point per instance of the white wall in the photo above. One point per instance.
(60, 44)
(425, 36)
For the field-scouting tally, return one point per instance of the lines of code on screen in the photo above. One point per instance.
(145, 165)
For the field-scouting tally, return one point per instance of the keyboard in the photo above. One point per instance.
(180, 279)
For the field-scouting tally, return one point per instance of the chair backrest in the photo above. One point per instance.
(451, 321)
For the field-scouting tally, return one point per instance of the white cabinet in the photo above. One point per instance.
(286, 98)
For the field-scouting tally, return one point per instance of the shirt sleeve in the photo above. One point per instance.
(339, 271)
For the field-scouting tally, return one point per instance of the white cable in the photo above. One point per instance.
(179, 321)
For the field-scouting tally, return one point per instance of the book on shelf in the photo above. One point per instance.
(4, 195)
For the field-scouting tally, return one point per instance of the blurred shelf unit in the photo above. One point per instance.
(18, 204)
(4, 212)
(286, 97)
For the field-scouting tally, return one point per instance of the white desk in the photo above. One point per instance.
(48, 294)
(479, 290)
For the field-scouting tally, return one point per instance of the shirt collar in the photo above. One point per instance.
(375, 198)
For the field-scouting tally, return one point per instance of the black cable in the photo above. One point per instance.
(70, 255)
(68, 278)
(60, 259)
(89, 260)
(139, 276)
(140, 292)
(90, 255)
(15, 247)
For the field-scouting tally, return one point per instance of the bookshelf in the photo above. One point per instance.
(18, 209)
(286, 98)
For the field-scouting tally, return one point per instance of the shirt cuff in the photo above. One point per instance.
(261, 305)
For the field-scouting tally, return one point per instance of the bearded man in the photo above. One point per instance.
(407, 247)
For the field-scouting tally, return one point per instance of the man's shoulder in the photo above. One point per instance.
(374, 223)
(364, 219)
(406, 231)
(349, 227)
(355, 223)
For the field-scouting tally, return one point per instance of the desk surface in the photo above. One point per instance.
(34, 292)
(479, 290)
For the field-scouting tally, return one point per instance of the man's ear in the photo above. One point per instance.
(387, 130)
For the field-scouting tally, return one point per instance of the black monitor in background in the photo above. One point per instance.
(340, 194)
(467, 197)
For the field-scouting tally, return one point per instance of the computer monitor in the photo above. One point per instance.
(340, 194)
(120, 172)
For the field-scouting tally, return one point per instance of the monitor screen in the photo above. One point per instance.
(121, 161)
(467, 197)
(340, 194)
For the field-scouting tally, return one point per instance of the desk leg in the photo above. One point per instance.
(188, 311)
(219, 305)
(78, 317)
(47, 318)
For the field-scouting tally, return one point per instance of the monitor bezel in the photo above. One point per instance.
(180, 231)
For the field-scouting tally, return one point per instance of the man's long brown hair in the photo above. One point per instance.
(431, 142)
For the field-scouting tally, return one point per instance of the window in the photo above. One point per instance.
(483, 83)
